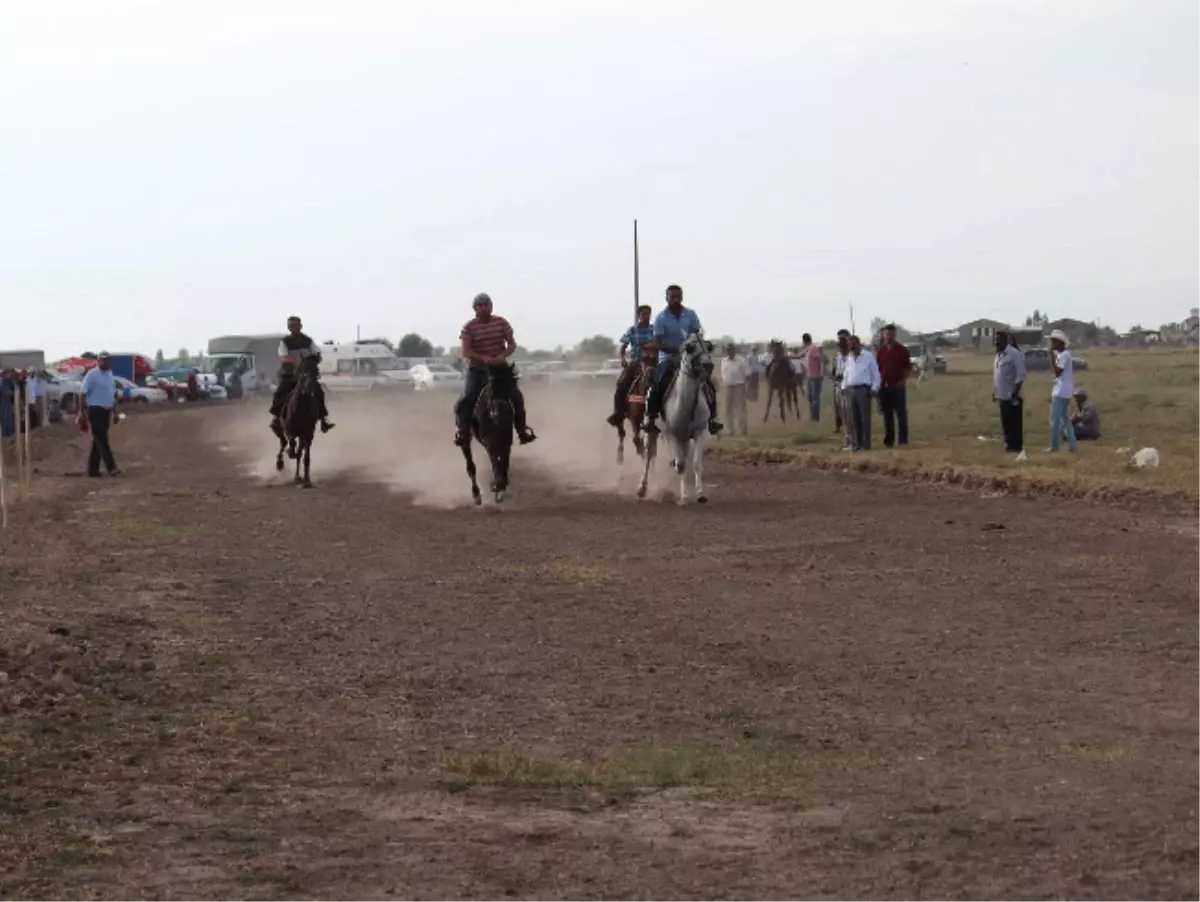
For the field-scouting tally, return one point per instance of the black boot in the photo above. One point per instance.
(326, 425)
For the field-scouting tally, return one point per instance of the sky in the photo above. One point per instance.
(170, 172)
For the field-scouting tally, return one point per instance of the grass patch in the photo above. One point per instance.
(562, 572)
(1145, 398)
(775, 766)
(147, 526)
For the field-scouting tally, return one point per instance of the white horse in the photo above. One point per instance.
(685, 409)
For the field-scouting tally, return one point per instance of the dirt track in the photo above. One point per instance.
(818, 686)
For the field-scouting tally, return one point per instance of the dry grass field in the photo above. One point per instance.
(1145, 398)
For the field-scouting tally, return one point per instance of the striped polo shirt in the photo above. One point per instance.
(488, 337)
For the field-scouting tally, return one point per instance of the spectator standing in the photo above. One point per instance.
(8, 400)
(754, 369)
(860, 381)
(814, 371)
(35, 388)
(1008, 377)
(1064, 389)
(894, 366)
(735, 374)
(99, 396)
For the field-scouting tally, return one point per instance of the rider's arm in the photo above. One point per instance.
(285, 357)
(468, 353)
(510, 345)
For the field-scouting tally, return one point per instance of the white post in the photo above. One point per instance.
(28, 438)
(17, 433)
(3, 496)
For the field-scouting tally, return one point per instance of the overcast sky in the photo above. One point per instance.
(172, 171)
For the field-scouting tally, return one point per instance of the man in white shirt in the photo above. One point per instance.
(860, 383)
(735, 374)
(1064, 390)
(837, 370)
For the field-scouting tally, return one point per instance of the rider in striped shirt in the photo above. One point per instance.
(635, 340)
(487, 340)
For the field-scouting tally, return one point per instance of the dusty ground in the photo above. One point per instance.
(821, 685)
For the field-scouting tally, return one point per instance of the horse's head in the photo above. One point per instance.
(776, 348)
(307, 375)
(695, 354)
(502, 379)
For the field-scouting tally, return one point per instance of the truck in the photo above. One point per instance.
(22, 360)
(255, 358)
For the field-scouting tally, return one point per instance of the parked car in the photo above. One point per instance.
(561, 371)
(436, 376)
(65, 391)
(1038, 360)
(128, 391)
(610, 369)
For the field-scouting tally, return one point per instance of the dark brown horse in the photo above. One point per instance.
(298, 424)
(492, 427)
(635, 405)
(781, 382)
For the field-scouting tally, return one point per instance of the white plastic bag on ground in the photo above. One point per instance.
(1146, 457)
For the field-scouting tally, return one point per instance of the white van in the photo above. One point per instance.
(363, 366)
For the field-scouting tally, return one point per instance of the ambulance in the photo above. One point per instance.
(363, 366)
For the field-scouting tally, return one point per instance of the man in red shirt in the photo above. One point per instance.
(487, 340)
(894, 367)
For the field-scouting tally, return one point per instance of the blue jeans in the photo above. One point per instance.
(1060, 422)
(812, 386)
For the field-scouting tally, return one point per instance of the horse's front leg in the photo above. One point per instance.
(682, 450)
(698, 468)
(651, 452)
(299, 458)
(278, 430)
(307, 483)
(621, 442)
(470, 459)
(770, 397)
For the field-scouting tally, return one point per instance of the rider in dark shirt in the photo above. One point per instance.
(294, 348)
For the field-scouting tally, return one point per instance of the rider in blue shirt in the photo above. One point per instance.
(671, 327)
(633, 344)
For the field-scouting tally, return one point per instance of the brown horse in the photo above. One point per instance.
(781, 381)
(298, 424)
(635, 405)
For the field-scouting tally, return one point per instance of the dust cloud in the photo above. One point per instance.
(404, 441)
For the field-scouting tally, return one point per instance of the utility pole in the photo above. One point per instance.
(636, 279)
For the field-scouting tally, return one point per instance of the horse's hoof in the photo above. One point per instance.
(279, 464)
(306, 485)
(702, 499)
(478, 500)
(641, 492)
(499, 496)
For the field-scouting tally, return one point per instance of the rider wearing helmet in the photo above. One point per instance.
(671, 327)
(294, 348)
(487, 340)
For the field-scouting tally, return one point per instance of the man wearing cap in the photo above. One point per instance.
(633, 345)
(1085, 418)
(295, 347)
(99, 392)
(1064, 389)
(487, 340)
(735, 374)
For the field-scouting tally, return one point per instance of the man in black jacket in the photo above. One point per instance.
(294, 348)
